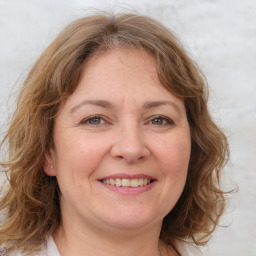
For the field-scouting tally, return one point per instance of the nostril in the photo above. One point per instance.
(130, 147)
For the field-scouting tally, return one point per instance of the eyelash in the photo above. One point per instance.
(165, 120)
(88, 119)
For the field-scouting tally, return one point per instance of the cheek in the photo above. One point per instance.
(79, 155)
(174, 155)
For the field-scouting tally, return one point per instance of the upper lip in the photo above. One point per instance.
(128, 176)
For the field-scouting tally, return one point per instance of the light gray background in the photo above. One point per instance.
(219, 34)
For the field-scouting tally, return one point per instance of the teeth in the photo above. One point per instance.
(112, 182)
(134, 183)
(118, 182)
(141, 182)
(126, 183)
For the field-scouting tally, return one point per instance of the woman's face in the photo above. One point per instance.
(122, 145)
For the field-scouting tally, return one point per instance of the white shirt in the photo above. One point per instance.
(187, 249)
(52, 249)
(184, 249)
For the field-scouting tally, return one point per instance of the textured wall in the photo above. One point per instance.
(220, 34)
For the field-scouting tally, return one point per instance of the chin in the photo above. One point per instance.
(131, 220)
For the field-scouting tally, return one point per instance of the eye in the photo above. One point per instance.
(161, 121)
(93, 120)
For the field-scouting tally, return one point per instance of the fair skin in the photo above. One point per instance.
(121, 154)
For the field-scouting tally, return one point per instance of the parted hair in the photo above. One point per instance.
(30, 203)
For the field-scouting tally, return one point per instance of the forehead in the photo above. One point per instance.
(120, 75)
(120, 61)
(120, 69)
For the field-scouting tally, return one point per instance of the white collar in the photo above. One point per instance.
(52, 249)
(184, 248)
(187, 249)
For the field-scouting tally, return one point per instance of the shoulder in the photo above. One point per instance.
(187, 249)
(4, 252)
(49, 248)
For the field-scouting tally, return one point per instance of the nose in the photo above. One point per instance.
(129, 144)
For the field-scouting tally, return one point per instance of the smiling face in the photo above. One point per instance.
(122, 145)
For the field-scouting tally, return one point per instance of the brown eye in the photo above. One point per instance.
(161, 121)
(158, 121)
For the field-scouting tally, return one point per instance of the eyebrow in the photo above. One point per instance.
(154, 104)
(107, 104)
(100, 103)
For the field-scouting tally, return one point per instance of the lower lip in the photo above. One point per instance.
(129, 190)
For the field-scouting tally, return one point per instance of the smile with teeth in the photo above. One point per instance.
(134, 183)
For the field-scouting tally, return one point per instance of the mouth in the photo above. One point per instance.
(127, 182)
(129, 185)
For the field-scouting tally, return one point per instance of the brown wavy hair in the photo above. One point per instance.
(31, 201)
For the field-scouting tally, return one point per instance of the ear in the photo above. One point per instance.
(49, 164)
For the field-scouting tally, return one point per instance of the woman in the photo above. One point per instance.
(112, 150)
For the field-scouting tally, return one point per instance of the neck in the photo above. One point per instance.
(74, 241)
